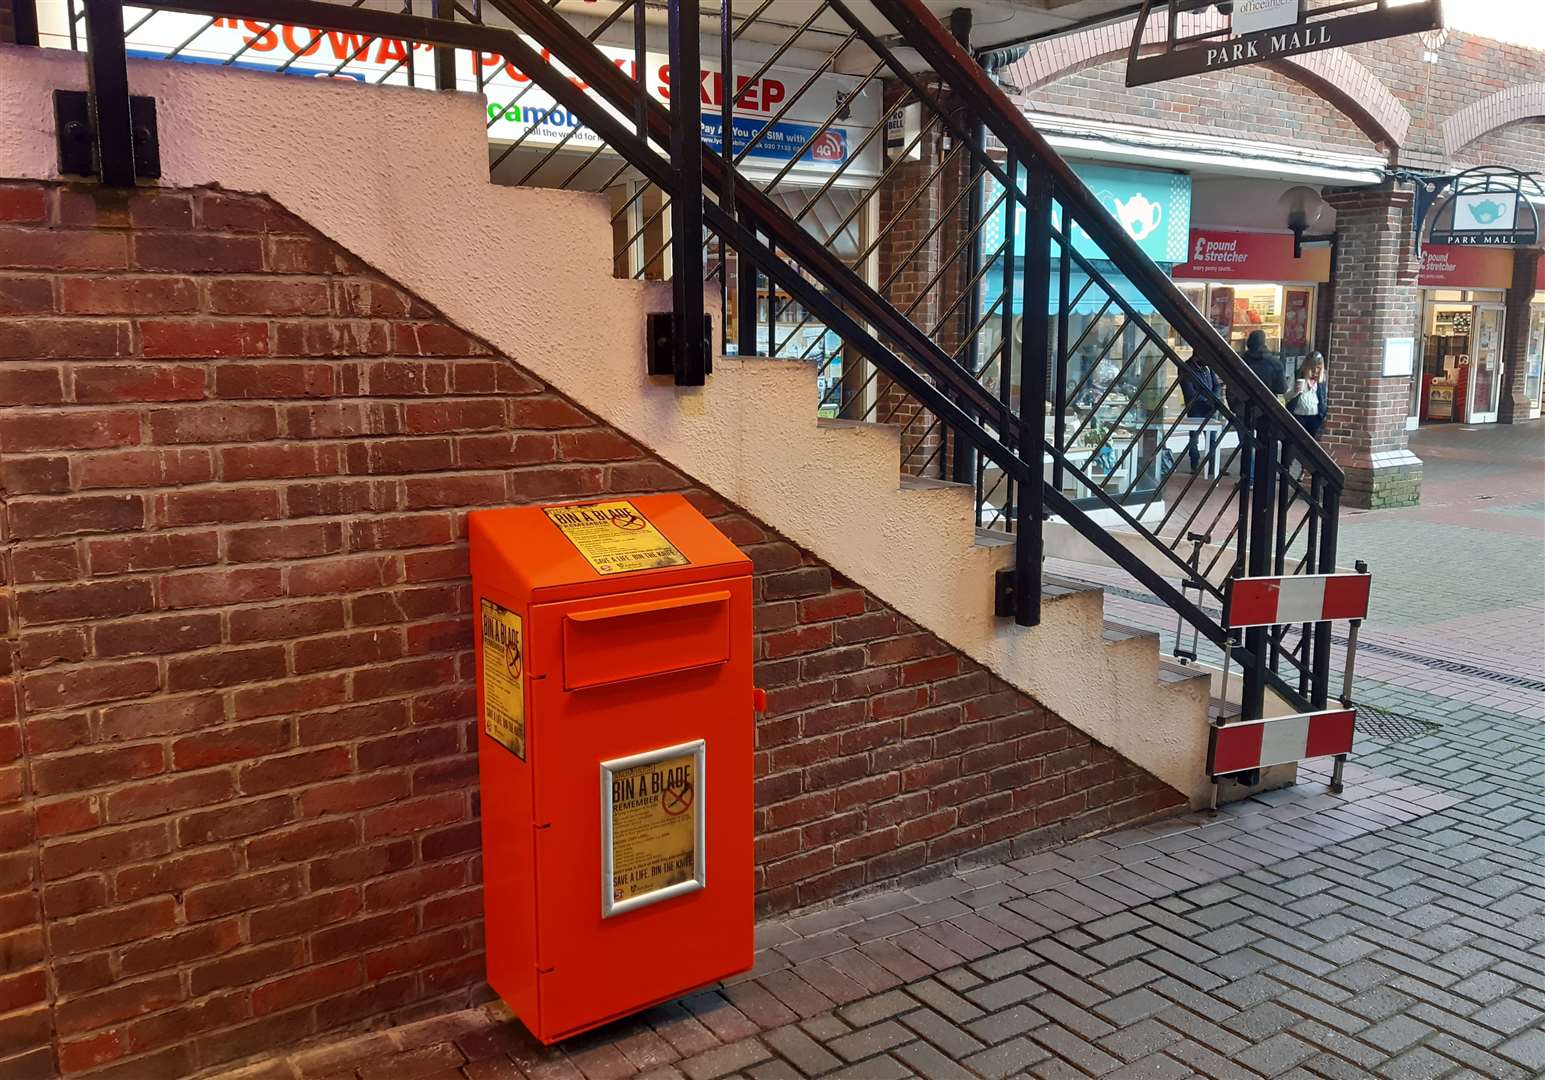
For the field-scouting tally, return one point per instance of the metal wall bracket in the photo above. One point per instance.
(75, 131)
(1003, 594)
(661, 354)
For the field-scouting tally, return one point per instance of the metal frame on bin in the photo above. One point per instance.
(697, 748)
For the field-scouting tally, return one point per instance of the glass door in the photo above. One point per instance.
(1485, 376)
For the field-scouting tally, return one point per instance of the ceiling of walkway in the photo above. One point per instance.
(994, 22)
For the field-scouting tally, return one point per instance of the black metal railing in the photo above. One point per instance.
(909, 234)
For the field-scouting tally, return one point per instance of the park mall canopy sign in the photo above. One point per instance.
(1261, 30)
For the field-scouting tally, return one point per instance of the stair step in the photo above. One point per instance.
(1176, 674)
(929, 483)
(836, 423)
(1117, 632)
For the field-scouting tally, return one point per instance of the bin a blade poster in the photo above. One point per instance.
(654, 818)
(614, 537)
(504, 678)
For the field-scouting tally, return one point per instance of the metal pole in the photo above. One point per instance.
(1328, 529)
(745, 304)
(1006, 350)
(1060, 404)
(691, 360)
(445, 56)
(1253, 696)
(1028, 543)
(963, 460)
(108, 70)
(727, 97)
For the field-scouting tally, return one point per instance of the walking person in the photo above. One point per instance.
(1267, 367)
(1201, 389)
(1266, 364)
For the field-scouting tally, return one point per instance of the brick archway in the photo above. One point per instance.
(1334, 75)
(1497, 110)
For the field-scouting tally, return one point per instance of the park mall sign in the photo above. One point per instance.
(1263, 30)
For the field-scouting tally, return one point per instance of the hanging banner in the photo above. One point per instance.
(1490, 206)
(1217, 255)
(1221, 313)
(518, 109)
(1295, 321)
(1263, 31)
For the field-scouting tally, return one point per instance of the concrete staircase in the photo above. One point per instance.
(530, 271)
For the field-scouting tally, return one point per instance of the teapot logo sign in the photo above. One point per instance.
(1138, 215)
(830, 146)
(1485, 213)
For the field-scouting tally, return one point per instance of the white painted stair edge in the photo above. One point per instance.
(399, 177)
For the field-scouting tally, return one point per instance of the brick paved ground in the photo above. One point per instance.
(1398, 932)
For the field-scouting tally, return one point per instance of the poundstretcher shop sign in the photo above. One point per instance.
(516, 107)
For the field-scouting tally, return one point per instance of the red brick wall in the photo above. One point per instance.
(1469, 68)
(1255, 102)
(1244, 103)
(1520, 144)
(237, 784)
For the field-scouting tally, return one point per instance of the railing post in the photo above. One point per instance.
(1006, 351)
(1028, 543)
(445, 56)
(745, 283)
(1259, 555)
(107, 66)
(1330, 512)
(1059, 416)
(24, 20)
(691, 356)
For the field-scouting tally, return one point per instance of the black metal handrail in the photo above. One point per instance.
(966, 405)
(966, 77)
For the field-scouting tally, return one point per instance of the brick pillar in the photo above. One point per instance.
(1514, 405)
(7, 24)
(1375, 298)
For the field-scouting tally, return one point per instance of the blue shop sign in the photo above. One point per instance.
(1153, 206)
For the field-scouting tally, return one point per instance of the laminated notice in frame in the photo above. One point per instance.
(614, 537)
(651, 827)
(504, 678)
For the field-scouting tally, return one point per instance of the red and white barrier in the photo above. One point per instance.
(1295, 598)
(1279, 740)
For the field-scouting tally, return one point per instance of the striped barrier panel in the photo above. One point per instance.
(1295, 598)
(1279, 740)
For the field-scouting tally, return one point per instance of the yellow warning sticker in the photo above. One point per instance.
(614, 537)
(504, 678)
(654, 819)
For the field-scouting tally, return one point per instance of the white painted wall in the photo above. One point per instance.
(399, 177)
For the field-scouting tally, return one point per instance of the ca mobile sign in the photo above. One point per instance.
(517, 108)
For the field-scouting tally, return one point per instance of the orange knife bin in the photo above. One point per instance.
(614, 657)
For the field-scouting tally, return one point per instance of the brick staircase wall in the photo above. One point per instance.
(238, 803)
